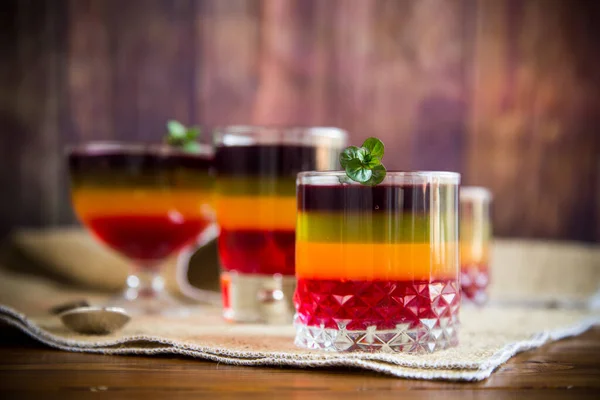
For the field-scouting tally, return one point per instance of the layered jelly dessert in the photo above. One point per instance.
(256, 206)
(475, 236)
(377, 266)
(143, 202)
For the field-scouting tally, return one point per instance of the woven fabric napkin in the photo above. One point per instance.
(43, 268)
(488, 336)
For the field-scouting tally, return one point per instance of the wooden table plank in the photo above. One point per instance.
(565, 369)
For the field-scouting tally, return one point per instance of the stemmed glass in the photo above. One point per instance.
(146, 202)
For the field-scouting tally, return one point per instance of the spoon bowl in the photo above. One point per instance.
(95, 320)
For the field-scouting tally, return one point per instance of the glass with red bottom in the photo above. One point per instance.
(145, 202)
(377, 266)
(475, 236)
(256, 211)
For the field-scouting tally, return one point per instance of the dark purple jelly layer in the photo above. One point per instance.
(386, 198)
(122, 168)
(115, 159)
(267, 160)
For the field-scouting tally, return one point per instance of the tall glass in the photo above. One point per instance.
(475, 236)
(256, 211)
(145, 202)
(377, 266)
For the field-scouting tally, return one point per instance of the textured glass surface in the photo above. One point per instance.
(377, 316)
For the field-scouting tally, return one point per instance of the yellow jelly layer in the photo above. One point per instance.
(89, 202)
(475, 233)
(376, 261)
(256, 212)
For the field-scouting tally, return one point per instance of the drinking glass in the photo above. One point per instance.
(475, 235)
(145, 202)
(377, 266)
(256, 211)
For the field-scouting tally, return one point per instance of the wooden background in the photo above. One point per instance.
(507, 92)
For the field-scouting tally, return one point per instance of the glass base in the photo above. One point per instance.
(256, 298)
(429, 336)
(145, 295)
(161, 303)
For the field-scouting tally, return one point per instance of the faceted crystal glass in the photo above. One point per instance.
(377, 266)
(475, 236)
(144, 202)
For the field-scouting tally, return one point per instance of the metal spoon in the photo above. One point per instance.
(95, 320)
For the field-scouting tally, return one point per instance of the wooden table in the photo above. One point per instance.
(569, 369)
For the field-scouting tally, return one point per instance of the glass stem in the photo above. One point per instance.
(144, 283)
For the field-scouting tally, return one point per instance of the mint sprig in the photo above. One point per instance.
(363, 164)
(185, 138)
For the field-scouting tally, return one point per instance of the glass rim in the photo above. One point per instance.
(475, 193)
(239, 135)
(105, 147)
(391, 177)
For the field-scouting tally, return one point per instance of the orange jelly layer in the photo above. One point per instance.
(471, 253)
(376, 261)
(91, 202)
(256, 212)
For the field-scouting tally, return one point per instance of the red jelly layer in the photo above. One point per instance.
(146, 238)
(257, 251)
(384, 304)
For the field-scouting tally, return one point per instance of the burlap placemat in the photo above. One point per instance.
(488, 336)
(40, 269)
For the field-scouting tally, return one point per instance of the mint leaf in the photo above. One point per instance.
(182, 137)
(192, 133)
(363, 164)
(363, 155)
(176, 130)
(349, 154)
(371, 162)
(377, 175)
(374, 146)
(357, 172)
